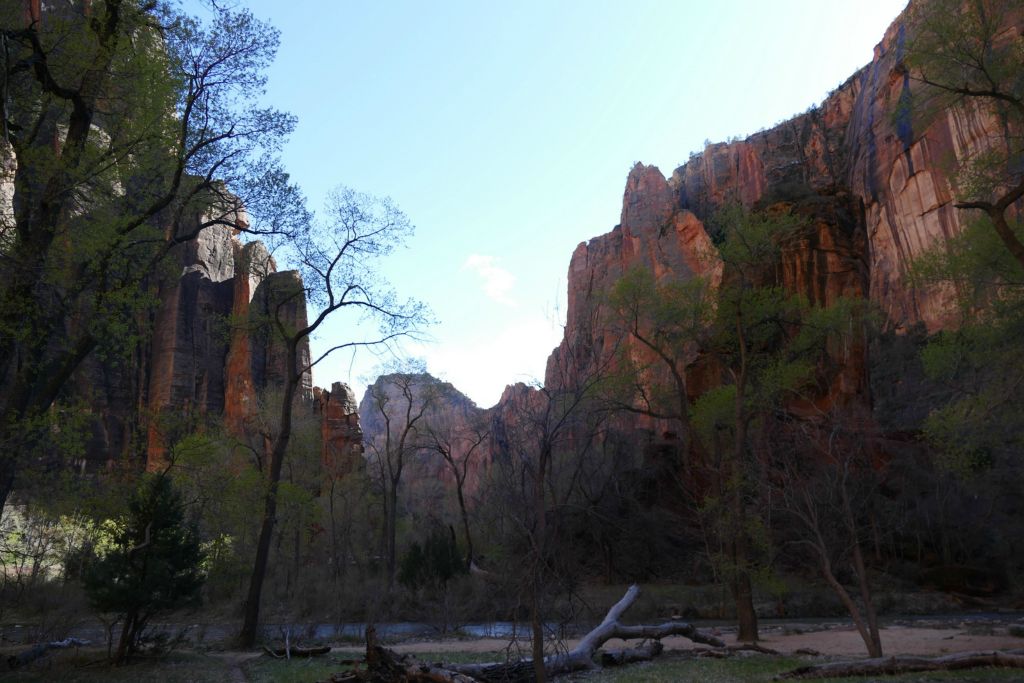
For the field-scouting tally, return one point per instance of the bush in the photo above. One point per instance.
(433, 564)
(146, 562)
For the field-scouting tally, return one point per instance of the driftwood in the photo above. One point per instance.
(888, 666)
(386, 666)
(296, 651)
(582, 656)
(40, 649)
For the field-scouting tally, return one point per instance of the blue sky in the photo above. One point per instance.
(505, 131)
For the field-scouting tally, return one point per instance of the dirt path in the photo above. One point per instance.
(235, 660)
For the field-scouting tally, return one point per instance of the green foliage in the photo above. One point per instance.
(969, 55)
(713, 411)
(983, 363)
(760, 348)
(974, 266)
(433, 564)
(127, 130)
(148, 560)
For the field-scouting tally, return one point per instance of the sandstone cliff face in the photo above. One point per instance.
(252, 265)
(341, 437)
(215, 350)
(190, 338)
(858, 145)
(875, 191)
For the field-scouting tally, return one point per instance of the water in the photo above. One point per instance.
(353, 632)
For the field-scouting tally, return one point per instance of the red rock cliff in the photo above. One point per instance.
(875, 192)
(213, 352)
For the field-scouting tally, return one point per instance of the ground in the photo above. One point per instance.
(86, 666)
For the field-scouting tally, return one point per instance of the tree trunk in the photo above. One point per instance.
(581, 657)
(742, 590)
(465, 524)
(537, 577)
(385, 666)
(250, 625)
(874, 642)
(890, 666)
(392, 533)
(127, 633)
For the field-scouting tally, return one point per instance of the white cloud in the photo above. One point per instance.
(480, 365)
(498, 282)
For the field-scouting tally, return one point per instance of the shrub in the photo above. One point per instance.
(147, 561)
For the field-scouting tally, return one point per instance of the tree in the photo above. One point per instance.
(337, 276)
(971, 55)
(395, 411)
(459, 437)
(827, 492)
(123, 125)
(668, 319)
(149, 561)
(544, 435)
(769, 344)
(757, 344)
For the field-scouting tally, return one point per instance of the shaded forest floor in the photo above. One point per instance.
(678, 664)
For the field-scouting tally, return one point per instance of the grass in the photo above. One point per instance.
(91, 667)
(267, 670)
(760, 668)
(191, 667)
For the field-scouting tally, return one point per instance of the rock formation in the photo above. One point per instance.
(875, 193)
(450, 420)
(212, 354)
(341, 438)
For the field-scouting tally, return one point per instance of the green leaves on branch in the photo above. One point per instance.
(147, 561)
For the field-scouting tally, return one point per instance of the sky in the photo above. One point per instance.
(505, 131)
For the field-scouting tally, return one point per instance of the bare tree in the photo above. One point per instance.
(544, 434)
(828, 492)
(336, 277)
(393, 412)
(460, 437)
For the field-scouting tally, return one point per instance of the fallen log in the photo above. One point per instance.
(582, 656)
(628, 655)
(384, 665)
(40, 649)
(296, 651)
(890, 666)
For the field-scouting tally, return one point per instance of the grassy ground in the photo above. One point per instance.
(90, 667)
(760, 668)
(188, 667)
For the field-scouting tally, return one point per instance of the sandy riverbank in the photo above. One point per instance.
(845, 641)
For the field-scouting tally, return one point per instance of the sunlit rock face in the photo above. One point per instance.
(858, 146)
(875, 192)
(213, 353)
(252, 265)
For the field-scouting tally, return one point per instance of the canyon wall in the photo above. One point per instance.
(874, 187)
(210, 355)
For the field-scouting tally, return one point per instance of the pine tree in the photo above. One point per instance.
(150, 561)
